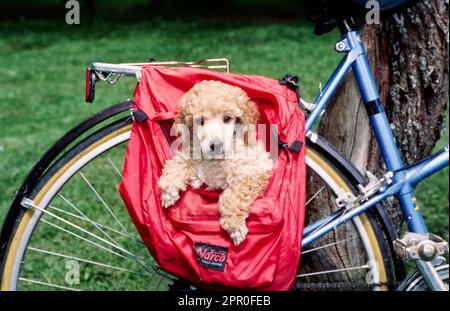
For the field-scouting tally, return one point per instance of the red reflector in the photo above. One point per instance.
(89, 86)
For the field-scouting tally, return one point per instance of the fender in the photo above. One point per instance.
(353, 175)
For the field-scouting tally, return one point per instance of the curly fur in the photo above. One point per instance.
(243, 176)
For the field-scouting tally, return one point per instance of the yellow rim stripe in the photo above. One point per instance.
(363, 217)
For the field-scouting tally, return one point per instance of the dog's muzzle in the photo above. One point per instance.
(215, 146)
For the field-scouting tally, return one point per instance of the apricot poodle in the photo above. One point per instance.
(217, 132)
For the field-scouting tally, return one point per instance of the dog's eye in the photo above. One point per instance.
(199, 120)
(227, 119)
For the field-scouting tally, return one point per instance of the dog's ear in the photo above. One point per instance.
(178, 130)
(181, 127)
(180, 119)
(187, 101)
(250, 115)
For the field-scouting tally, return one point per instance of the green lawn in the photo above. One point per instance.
(43, 63)
(42, 81)
(433, 195)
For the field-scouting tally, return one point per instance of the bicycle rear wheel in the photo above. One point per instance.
(76, 233)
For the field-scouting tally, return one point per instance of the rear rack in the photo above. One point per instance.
(110, 73)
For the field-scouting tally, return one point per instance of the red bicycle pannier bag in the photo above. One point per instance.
(186, 239)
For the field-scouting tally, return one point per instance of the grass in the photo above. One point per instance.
(42, 88)
(432, 195)
(42, 85)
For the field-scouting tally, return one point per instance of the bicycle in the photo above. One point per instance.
(45, 214)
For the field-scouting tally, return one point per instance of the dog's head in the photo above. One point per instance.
(219, 116)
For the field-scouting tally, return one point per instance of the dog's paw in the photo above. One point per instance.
(196, 183)
(169, 197)
(239, 234)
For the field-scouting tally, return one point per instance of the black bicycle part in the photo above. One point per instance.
(348, 15)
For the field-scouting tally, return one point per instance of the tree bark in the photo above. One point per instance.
(408, 54)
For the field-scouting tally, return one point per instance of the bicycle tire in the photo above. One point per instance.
(376, 219)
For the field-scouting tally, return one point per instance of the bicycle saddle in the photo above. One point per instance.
(327, 14)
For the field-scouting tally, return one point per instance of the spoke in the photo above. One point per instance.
(83, 260)
(48, 284)
(159, 283)
(328, 245)
(98, 224)
(134, 258)
(113, 165)
(84, 217)
(84, 230)
(333, 271)
(88, 219)
(86, 240)
(315, 195)
(103, 201)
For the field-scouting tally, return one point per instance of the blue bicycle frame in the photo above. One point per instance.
(405, 178)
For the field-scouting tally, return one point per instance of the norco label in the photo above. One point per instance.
(211, 256)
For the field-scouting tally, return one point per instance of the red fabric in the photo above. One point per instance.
(269, 256)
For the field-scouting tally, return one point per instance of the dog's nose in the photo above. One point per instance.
(215, 145)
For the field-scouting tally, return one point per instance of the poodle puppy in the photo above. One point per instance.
(217, 123)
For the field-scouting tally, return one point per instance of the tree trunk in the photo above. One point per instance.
(408, 54)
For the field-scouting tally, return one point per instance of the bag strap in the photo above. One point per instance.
(291, 82)
(296, 146)
(139, 116)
